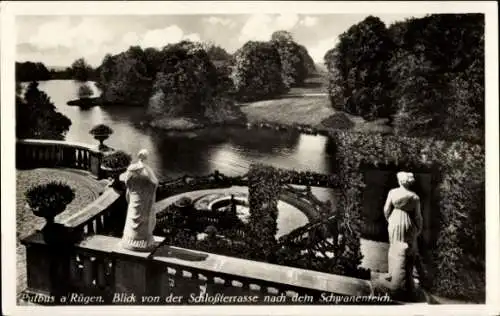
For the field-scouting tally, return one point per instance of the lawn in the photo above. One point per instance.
(313, 85)
(314, 110)
(289, 110)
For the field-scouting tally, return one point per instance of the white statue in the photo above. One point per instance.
(141, 184)
(402, 211)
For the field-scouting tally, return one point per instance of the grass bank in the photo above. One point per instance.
(314, 110)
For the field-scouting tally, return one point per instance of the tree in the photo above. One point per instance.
(81, 70)
(257, 72)
(106, 71)
(282, 36)
(124, 79)
(308, 62)
(438, 76)
(357, 70)
(29, 71)
(215, 52)
(186, 82)
(295, 60)
(85, 91)
(36, 116)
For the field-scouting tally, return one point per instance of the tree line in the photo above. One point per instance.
(426, 75)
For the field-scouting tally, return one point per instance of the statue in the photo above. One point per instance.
(141, 184)
(402, 211)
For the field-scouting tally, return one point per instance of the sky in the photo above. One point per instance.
(59, 40)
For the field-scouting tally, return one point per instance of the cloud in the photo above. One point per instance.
(309, 21)
(259, 27)
(87, 35)
(157, 38)
(318, 50)
(227, 22)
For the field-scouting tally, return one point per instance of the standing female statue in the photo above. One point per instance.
(141, 185)
(402, 211)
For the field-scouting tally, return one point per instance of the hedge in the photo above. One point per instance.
(455, 259)
(257, 239)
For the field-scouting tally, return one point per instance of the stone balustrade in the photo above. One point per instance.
(37, 153)
(99, 268)
(96, 268)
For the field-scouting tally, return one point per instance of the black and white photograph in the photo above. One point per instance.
(186, 156)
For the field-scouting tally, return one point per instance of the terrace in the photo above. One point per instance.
(98, 269)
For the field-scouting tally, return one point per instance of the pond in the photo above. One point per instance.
(229, 150)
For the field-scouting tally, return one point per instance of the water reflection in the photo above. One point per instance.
(229, 150)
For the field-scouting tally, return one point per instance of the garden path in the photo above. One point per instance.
(86, 189)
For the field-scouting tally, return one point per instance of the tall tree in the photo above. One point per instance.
(357, 67)
(307, 60)
(293, 63)
(36, 116)
(438, 73)
(81, 70)
(257, 71)
(30, 71)
(185, 83)
(124, 78)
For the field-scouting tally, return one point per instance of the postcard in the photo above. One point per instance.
(249, 158)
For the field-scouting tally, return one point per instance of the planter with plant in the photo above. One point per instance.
(116, 163)
(101, 132)
(47, 201)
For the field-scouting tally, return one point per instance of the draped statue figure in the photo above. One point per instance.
(402, 211)
(141, 183)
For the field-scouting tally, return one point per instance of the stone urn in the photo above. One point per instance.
(114, 164)
(101, 132)
(47, 201)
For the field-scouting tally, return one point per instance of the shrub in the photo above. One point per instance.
(117, 160)
(455, 257)
(85, 91)
(81, 70)
(101, 129)
(264, 187)
(184, 202)
(48, 200)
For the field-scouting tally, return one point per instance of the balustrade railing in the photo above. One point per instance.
(33, 153)
(98, 269)
(106, 215)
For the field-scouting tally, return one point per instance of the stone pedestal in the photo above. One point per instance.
(47, 267)
(135, 273)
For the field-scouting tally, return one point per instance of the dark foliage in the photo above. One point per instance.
(186, 82)
(438, 72)
(357, 70)
(264, 187)
(101, 129)
(455, 257)
(257, 72)
(425, 74)
(80, 70)
(124, 78)
(29, 71)
(117, 160)
(84, 92)
(48, 200)
(293, 64)
(36, 116)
